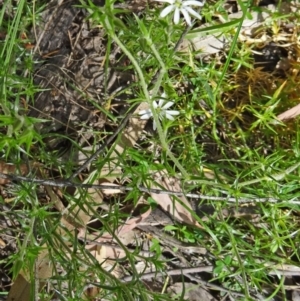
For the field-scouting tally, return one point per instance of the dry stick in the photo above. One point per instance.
(67, 183)
(182, 37)
(214, 286)
(186, 272)
(182, 271)
(89, 242)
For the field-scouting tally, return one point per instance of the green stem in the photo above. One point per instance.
(275, 177)
(224, 72)
(146, 93)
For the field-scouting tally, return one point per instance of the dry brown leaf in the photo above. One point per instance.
(99, 252)
(122, 230)
(11, 169)
(191, 292)
(104, 255)
(110, 172)
(283, 269)
(181, 211)
(132, 223)
(289, 114)
(67, 222)
(128, 139)
(21, 288)
(43, 265)
(90, 293)
(110, 191)
(2, 243)
(214, 42)
(111, 252)
(124, 233)
(133, 131)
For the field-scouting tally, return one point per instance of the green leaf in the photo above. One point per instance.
(220, 28)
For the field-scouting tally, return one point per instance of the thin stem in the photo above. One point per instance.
(147, 96)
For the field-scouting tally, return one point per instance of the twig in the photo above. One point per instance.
(214, 286)
(184, 33)
(67, 183)
(182, 271)
(88, 242)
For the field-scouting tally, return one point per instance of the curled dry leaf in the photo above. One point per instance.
(179, 207)
(124, 233)
(101, 255)
(289, 114)
(124, 229)
(21, 288)
(111, 252)
(132, 223)
(6, 168)
(110, 191)
(191, 292)
(105, 254)
(133, 130)
(283, 269)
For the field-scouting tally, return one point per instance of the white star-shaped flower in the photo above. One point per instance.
(181, 6)
(161, 110)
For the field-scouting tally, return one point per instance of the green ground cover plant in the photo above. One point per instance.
(210, 124)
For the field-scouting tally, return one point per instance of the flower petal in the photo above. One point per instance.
(176, 15)
(186, 16)
(161, 102)
(193, 13)
(155, 105)
(167, 10)
(191, 3)
(169, 116)
(145, 114)
(168, 105)
(142, 112)
(171, 112)
(166, 1)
